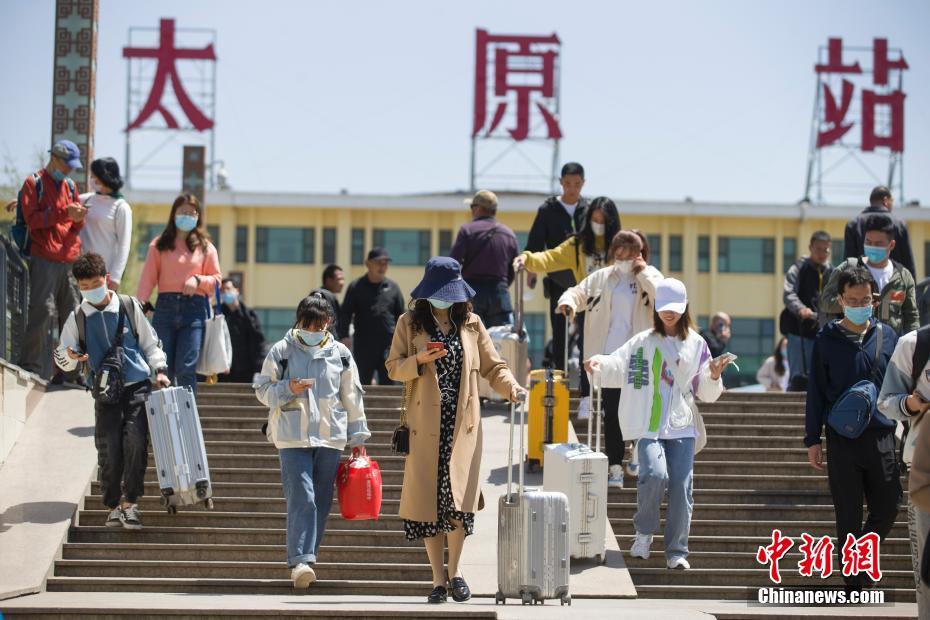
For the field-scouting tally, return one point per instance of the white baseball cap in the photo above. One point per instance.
(671, 296)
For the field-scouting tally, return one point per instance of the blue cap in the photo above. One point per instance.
(67, 151)
(443, 281)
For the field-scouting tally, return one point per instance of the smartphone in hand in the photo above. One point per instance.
(434, 346)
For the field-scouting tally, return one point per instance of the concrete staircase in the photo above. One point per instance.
(752, 477)
(238, 548)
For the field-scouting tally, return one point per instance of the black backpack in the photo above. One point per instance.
(20, 231)
(798, 381)
(107, 381)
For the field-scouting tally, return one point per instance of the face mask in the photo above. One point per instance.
(95, 296)
(599, 229)
(186, 223)
(857, 316)
(875, 253)
(59, 176)
(440, 304)
(229, 298)
(624, 266)
(784, 352)
(314, 339)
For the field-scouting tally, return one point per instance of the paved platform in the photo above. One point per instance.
(70, 604)
(479, 558)
(43, 480)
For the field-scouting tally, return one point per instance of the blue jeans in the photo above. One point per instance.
(665, 463)
(308, 475)
(179, 322)
(796, 363)
(492, 302)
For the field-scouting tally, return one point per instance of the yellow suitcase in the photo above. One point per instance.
(548, 417)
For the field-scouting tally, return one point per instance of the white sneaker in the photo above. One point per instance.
(584, 408)
(632, 470)
(641, 544)
(678, 562)
(303, 576)
(615, 476)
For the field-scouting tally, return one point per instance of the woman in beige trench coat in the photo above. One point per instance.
(441, 490)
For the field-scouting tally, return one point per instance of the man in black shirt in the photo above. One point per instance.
(880, 201)
(556, 220)
(333, 282)
(245, 332)
(372, 304)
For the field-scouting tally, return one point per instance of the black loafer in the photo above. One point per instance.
(438, 595)
(460, 591)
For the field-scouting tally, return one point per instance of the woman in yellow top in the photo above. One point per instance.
(583, 253)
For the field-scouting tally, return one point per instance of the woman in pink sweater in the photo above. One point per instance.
(183, 265)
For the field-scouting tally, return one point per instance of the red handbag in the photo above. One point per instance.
(358, 482)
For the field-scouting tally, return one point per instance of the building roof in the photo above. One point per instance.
(519, 202)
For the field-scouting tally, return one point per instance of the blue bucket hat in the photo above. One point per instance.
(443, 281)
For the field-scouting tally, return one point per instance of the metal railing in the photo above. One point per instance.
(14, 289)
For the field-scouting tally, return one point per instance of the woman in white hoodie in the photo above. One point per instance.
(618, 302)
(661, 370)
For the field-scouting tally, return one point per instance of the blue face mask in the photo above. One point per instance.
(95, 296)
(440, 304)
(186, 223)
(875, 253)
(857, 316)
(314, 339)
(59, 176)
(229, 298)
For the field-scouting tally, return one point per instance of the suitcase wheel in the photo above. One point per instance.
(566, 600)
(208, 504)
(172, 510)
(526, 598)
(499, 599)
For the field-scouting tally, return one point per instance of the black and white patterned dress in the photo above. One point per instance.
(449, 373)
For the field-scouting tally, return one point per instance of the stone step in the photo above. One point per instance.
(752, 577)
(739, 593)
(743, 406)
(209, 535)
(386, 462)
(726, 527)
(778, 516)
(350, 568)
(789, 497)
(235, 489)
(321, 611)
(268, 475)
(244, 520)
(254, 433)
(244, 553)
(235, 586)
(755, 442)
(740, 543)
(258, 411)
(747, 560)
(255, 424)
(389, 506)
(764, 397)
(768, 430)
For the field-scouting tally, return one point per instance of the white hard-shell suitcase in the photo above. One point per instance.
(532, 539)
(512, 344)
(580, 472)
(180, 454)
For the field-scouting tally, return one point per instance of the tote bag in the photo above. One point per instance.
(216, 352)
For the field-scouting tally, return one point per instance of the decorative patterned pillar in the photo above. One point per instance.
(75, 78)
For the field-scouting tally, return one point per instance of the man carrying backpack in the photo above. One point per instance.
(905, 396)
(49, 218)
(849, 361)
(110, 332)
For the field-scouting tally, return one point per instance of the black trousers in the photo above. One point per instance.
(863, 467)
(613, 438)
(121, 434)
(558, 325)
(370, 361)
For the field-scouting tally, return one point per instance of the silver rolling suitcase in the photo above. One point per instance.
(180, 454)
(512, 344)
(581, 473)
(532, 538)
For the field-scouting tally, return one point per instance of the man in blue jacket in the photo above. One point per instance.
(844, 354)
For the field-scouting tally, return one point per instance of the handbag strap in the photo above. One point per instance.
(408, 388)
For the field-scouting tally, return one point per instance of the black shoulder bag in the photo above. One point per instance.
(108, 378)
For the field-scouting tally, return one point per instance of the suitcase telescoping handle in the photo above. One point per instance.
(513, 410)
(519, 284)
(568, 322)
(597, 409)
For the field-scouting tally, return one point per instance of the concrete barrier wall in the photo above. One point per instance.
(20, 393)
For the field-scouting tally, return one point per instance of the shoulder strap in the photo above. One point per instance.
(345, 363)
(283, 363)
(121, 312)
(80, 320)
(128, 305)
(921, 353)
(878, 351)
(72, 188)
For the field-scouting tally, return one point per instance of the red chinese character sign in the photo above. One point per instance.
(171, 87)
(858, 115)
(516, 101)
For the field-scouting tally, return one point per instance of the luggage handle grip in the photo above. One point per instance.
(592, 506)
(598, 408)
(565, 354)
(513, 408)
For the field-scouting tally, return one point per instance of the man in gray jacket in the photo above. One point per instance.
(804, 283)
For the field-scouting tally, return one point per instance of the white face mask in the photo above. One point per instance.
(598, 229)
(624, 266)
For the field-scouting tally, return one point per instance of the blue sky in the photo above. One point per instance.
(660, 100)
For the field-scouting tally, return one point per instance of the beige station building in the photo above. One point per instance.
(732, 257)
